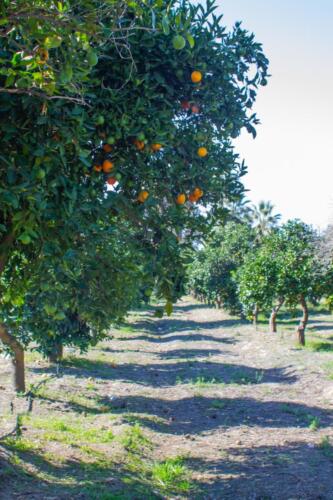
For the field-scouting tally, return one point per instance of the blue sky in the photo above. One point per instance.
(291, 161)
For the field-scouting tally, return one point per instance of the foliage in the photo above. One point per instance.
(211, 275)
(284, 267)
(95, 87)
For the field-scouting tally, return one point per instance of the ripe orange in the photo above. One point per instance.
(185, 105)
(143, 195)
(107, 148)
(196, 76)
(202, 152)
(181, 198)
(192, 198)
(97, 168)
(43, 54)
(111, 181)
(156, 147)
(107, 166)
(198, 193)
(195, 109)
(139, 144)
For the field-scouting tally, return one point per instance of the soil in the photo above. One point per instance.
(251, 413)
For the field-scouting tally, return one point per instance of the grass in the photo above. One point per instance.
(134, 440)
(70, 431)
(302, 416)
(171, 475)
(319, 345)
(326, 447)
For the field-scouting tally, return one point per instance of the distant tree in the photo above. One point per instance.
(284, 269)
(263, 219)
(211, 275)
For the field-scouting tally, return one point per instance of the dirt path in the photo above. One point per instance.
(251, 415)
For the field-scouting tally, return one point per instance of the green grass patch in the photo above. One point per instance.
(70, 431)
(319, 345)
(171, 476)
(134, 440)
(20, 444)
(326, 447)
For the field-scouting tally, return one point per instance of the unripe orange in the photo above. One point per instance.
(196, 76)
(107, 166)
(143, 195)
(181, 198)
(202, 152)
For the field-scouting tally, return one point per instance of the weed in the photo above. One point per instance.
(326, 447)
(218, 404)
(20, 444)
(134, 440)
(314, 423)
(243, 378)
(171, 475)
(319, 346)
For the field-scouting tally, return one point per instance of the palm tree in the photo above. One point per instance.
(263, 219)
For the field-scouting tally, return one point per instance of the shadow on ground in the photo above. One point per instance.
(170, 325)
(199, 414)
(293, 470)
(88, 479)
(274, 473)
(169, 374)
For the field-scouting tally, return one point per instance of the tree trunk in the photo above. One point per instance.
(255, 315)
(17, 360)
(272, 319)
(303, 322)
(57, 353)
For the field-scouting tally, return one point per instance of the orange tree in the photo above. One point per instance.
(115, 113)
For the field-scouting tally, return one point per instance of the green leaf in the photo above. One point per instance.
(52, 42)
(190, 40)
(165, 25)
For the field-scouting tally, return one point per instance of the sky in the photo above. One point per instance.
(291, 160)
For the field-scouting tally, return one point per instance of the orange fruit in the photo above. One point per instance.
(195, 109)
(198, 193)
(202, 152)
(139, 144)
(107, 148)
(43, 55)
(143, 195)
(111, 181)
(185, 105)
(97, 168)
(107, 166)
(181, 198)
(156, 147)
(192, 198)
(196, 76)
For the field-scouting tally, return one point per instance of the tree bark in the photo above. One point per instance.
(255, 315)
(303, 322)
(17, 360)
(57, 353)
(272, 319)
